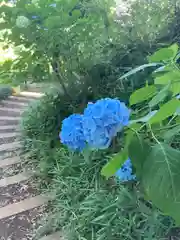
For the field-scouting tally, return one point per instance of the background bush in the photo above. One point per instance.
(5, 92)
(91, 37)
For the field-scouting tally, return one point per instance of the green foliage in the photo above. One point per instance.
(164, 54)
(163, 164)
(151, 146)
(80, 38)
(159, 174)
(5, 92)
(42, 119)
(112, 166)
(142, 94)
(165, 111)
(84, 46)
(159, 96)
(168, 135)
(88, 207)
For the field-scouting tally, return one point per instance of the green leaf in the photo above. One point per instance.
(138, 150)
(167, 110)
(160, 96)
(175, 49)
(114, 164)
(144, 119)
(175, 88)
(168, 135)
(161, 177)
(163, 54)
(168, 77)
(142, 94)
(138, 69)
(131, 131)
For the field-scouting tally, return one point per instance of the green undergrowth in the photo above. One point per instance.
(86, 206)
(89, 207)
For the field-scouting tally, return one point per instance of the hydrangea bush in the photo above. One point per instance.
(96, 128)
(150, 153)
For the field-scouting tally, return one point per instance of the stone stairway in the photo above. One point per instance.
(20, 205)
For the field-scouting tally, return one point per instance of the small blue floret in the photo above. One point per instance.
(72, 133)
(125, 172)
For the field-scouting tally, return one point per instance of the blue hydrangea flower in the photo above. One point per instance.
(102, 120)
(72, 132)
(125, 172)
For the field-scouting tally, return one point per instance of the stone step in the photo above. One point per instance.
(9, 161)
(9, 135)
(31, 94)
(22, 206)
(14, 103)
(6, 111)
(6, 147)
(8, 129)
(14, 179)
(6, 118)
(21, 99)
(54, 236)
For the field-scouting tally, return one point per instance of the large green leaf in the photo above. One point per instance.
(175, 49)
(167, 110)
(142, 94)
(143, 119)
(161, 178)
(130, 132)
(175, 88)
(163, 54)
(138, 150)
(168, 77)
(168, 135)
(138, 69)
(160, 96)
(114, 164)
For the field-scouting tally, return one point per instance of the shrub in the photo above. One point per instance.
(68, 38)
(42, 119)
(5, 92)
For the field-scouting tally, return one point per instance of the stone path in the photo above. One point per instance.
(20, 206)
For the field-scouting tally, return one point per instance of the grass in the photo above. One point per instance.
(89, 207)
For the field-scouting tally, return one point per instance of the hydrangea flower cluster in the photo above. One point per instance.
(98, 125)
(72, 132)
(22, 22)
(103, 120)
(125, 173)
(96, 128)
